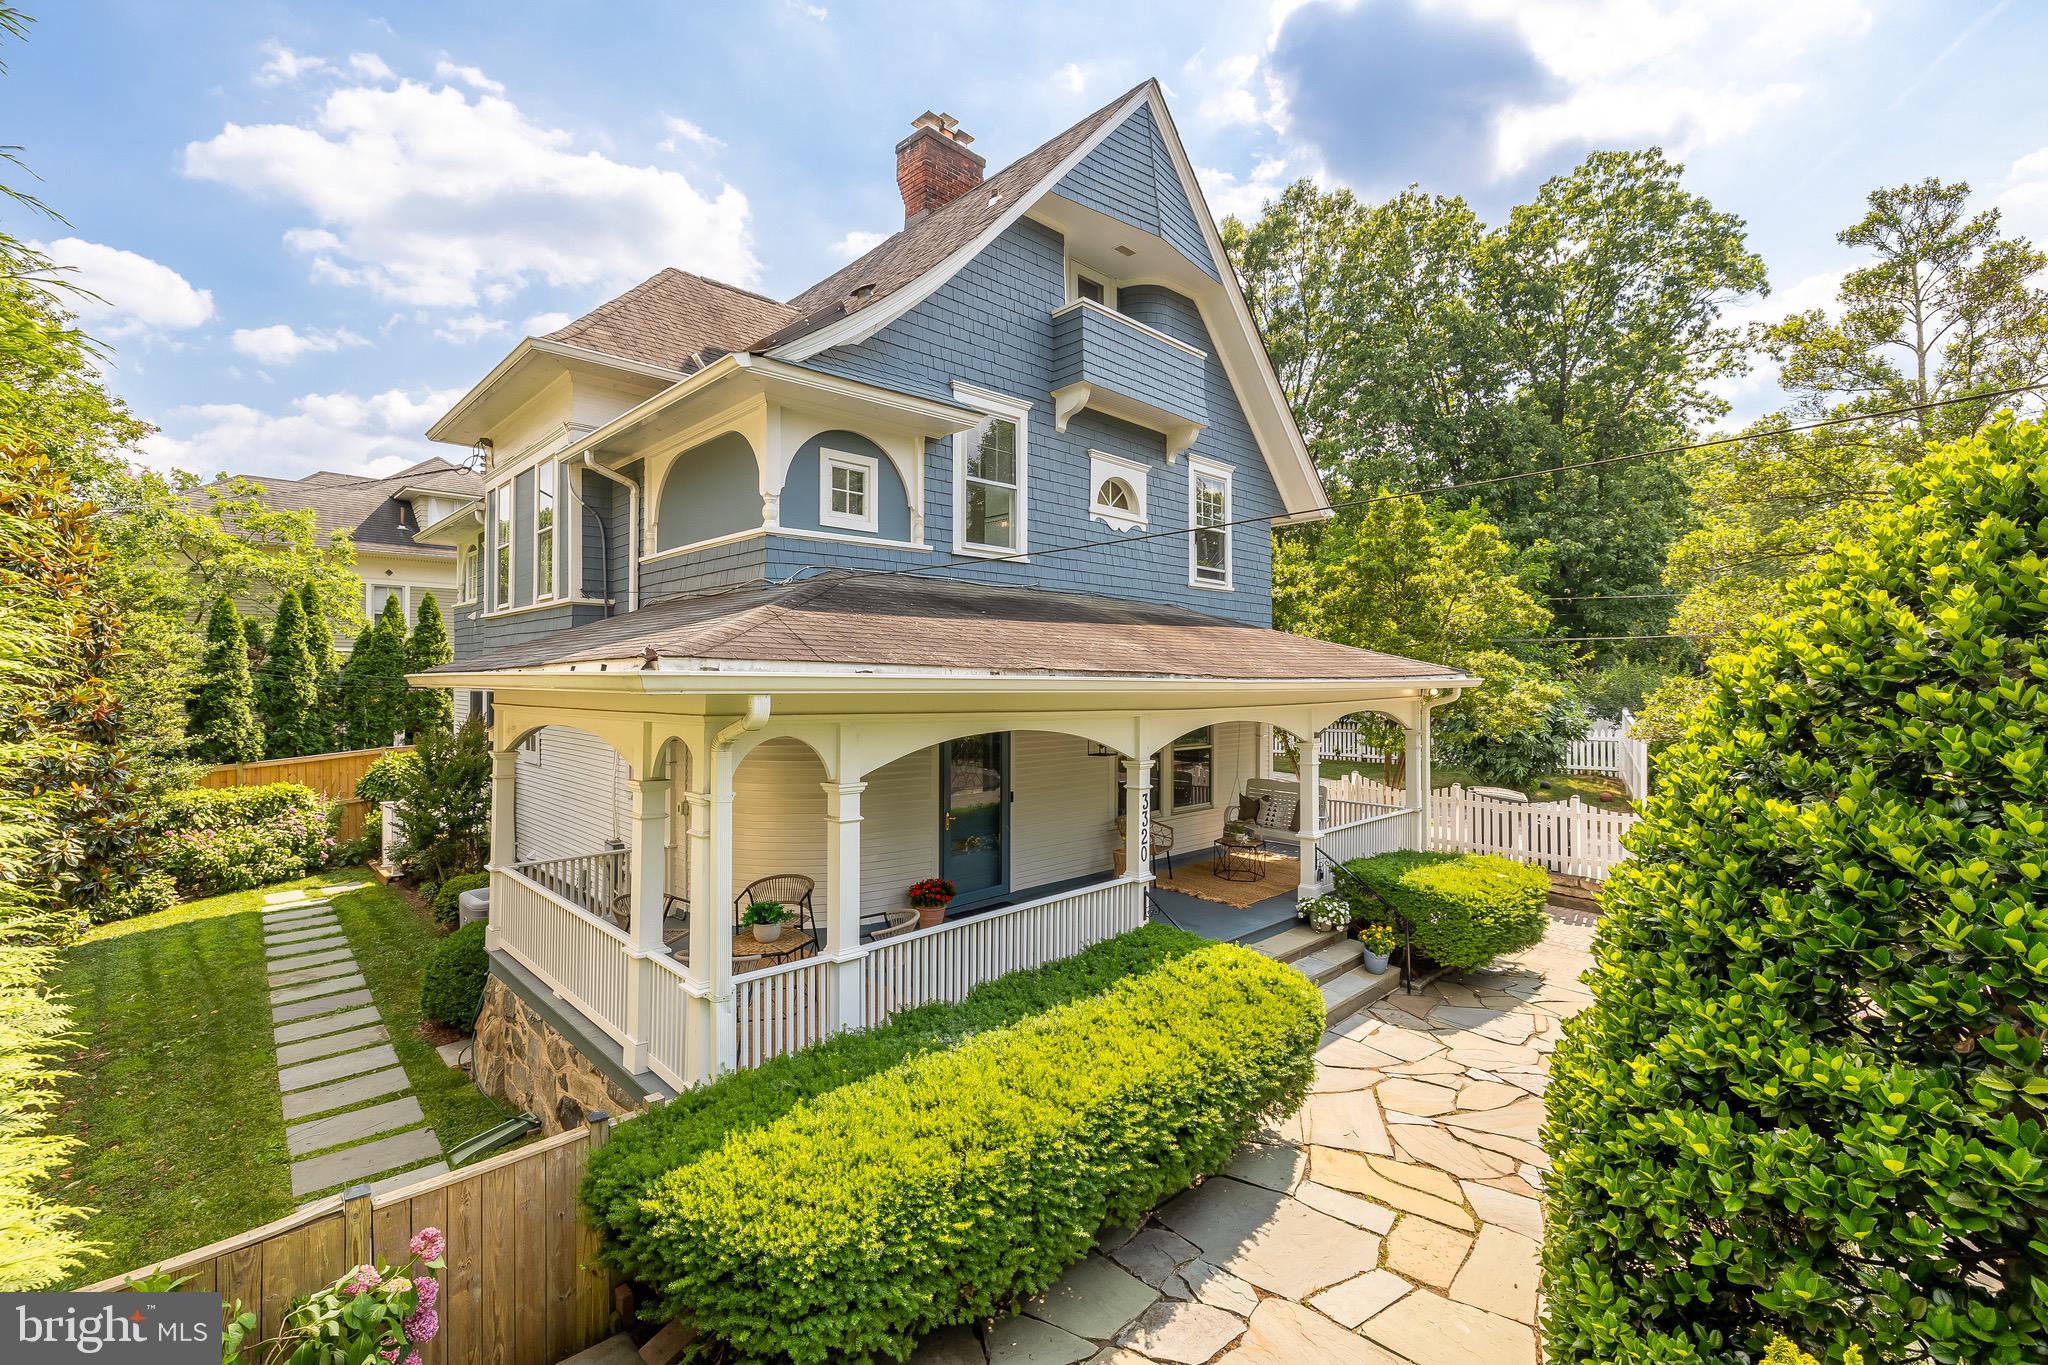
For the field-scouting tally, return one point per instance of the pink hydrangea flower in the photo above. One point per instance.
(413, 1359)
(421, 1326)
(361, 1280)
(429, 1290)
(389, 1353)
(428, 1244)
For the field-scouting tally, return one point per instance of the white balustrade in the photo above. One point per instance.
(667, 993)
(1383, 832)
(577, 956)
(781, 1009)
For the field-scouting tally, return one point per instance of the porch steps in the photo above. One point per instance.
(1291, 945)
(1330, 961)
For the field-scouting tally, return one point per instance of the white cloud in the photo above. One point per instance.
(1230, 196)
(375, 434)
(807, 10)
(1236, 90)
(281, 65)
(2023, 199)
(1071, 78)
(427, 196)
(281, 344)
(134, 294)
(473, 327)
(471, 76)
(540, 324)
(681, 131)
(857, 243)
(371, 67)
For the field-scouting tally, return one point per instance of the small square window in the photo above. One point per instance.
(846, 493)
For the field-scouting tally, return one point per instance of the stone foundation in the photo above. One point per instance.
(526, 1062)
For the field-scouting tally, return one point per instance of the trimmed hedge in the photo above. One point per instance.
(447, 896)
(1809, 1096)
(219, 839)
(847, 1200)
(452, 984)
(1467, 908)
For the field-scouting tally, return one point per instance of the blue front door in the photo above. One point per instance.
(974, 817)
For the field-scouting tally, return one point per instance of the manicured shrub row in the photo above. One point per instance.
(965, 1178)
(1467, 908)
(448, 895)
(1809, 1097)
(452, 983)
(219, 839)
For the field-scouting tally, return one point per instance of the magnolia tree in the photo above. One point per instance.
(1809, 1097)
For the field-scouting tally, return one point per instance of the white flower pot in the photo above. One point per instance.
(767, 933)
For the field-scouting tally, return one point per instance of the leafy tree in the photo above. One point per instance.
(224, 724)
(1517, 724)
(326, 668)
(1946, 305)
(373, 682)
(1809, 1097)
(429, 708)
(445, 803)
(287, 692)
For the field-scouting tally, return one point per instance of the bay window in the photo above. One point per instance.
(544, 531)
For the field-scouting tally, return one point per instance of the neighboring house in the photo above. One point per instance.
(382, 517)
(929, 571)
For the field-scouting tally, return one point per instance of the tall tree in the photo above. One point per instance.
(326, 667)
(1945, 305)
(287, 694)
(223, 713)
(428, 708)
(373, 682)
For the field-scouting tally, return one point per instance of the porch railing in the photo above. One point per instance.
(783, 1008)
(597, 882)
(576, 955)
(1383, 831)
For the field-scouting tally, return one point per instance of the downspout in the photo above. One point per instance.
(632, 530)
(758, 707)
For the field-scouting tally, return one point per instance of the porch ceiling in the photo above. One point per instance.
(868, 629)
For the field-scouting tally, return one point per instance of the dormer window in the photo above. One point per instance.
(846, 490)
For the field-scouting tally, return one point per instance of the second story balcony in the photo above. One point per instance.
(1117, 365)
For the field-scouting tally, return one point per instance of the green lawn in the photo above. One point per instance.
(174, 1085)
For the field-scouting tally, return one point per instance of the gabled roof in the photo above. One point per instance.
(857, 620)
(676, 319)
(367, 508)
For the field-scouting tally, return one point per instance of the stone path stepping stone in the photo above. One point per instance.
(303, 1074)
(284, 995)
(326, 1023)
(349, 1113)
(330, 1043)
(306, 1103)
(303, 1009)
(353, 1125)
(362, 1162)
(1094, 1299)
(297, 893)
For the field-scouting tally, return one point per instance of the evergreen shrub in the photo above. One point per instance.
(1466, 908)
(220, 839)
(452, 984)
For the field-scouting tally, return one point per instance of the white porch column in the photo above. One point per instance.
(842, 904)
(704, 924)
(1310, 779)
(715, 918)
(1138, 818)
(1419, 775)
(504, 852)
(648, 881)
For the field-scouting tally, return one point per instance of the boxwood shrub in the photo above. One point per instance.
(1467, 908)
(448, 895)
(1809, 1096)
(843, 1202)
(452, 984)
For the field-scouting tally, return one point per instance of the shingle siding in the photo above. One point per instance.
(1130, 177)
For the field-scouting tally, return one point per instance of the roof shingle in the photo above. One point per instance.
(367, 507)
(676, 320)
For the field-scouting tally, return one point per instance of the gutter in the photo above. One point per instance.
(632, 534)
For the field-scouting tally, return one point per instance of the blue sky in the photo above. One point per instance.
(313, 225)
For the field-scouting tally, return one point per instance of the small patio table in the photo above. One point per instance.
(1237, 860)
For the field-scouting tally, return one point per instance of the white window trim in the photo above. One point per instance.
(1102, 467)
(370, 598)
(1017, 411)
(472, 571)
(1111, 285)
(1199, 467)
(498, 543)
(547, 475)
(870, 470)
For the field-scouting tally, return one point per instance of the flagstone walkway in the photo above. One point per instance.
(349, 1113)
(1394, 1221)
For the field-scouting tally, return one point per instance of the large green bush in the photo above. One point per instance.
(448, 895)
(1466, 908)
(219, 839)
(387, 775)
(843, 1201)
(452, 984)
(1809, 1097)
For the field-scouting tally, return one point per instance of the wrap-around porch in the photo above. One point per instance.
(1029, 812)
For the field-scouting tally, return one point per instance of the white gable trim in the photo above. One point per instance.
(1272, 421)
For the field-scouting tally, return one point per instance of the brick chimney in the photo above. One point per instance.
(933, 165)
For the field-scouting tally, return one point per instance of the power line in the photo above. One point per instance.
(1346, 504)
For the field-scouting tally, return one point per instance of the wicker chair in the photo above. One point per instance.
(793, 889)
(1162, 843)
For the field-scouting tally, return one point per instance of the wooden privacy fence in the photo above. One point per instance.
(522, 1285)
(331, 775)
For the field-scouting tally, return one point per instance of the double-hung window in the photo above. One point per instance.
(1208, 524)
(846, 490)
(989, 475)
(1184, 777)
(544, 480)
(501, 547)
(472, 572)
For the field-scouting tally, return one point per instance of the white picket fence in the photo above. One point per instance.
(1607, 749)
(1571, 837)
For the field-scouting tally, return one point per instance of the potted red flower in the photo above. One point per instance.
(930, 898)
